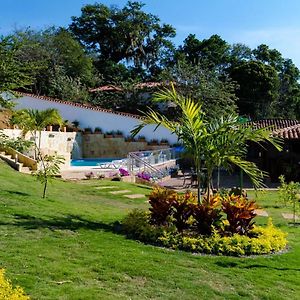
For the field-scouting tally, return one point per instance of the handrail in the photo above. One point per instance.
(146, 164)
(142, 159)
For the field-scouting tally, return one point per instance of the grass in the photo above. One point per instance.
(63, 247)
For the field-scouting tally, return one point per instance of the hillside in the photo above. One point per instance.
(4, 118)
(65, 247)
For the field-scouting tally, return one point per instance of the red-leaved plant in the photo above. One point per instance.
(240, 213)
(208, 214)
(161, 201)
(182, 210)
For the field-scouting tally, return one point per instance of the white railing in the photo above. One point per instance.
(155, 163)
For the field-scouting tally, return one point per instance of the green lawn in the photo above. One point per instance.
(63, 247)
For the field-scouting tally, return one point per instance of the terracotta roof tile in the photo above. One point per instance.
(290, 133)
(113, 88)
(274, 123)
(87, 106)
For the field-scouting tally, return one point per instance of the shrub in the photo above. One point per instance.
(240, 213)
(123, 172)
(161, 201)
(136, 225)
(182, 208)
(289, 193)
(8, 292)
(264, 240)
(208, 214)
(144, 176)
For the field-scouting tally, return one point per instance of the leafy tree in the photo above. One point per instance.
(258, 88)
(240, 52)
(55, 49)
(268, 56)
(123, 35)
(50, 168)
(34, 121)
(219, 142)
(215, 92)
(66, 87)
(14, 73)
(212, 52)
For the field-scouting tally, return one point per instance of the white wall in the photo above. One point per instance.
(92, 118)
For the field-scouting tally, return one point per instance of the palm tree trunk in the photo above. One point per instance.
(209, 182)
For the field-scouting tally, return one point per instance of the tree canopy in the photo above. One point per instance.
(124, 45)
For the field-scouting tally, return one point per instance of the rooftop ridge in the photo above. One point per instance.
(87, 106)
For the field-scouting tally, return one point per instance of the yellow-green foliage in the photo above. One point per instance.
(263, 240)
(7, 291)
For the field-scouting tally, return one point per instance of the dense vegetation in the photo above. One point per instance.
(125, 46)
(64, 247)
(220, 224)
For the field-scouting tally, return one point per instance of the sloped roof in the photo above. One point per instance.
(113, 88)
(87, 106)
(274, 123)
(290, 133)
(284, 128)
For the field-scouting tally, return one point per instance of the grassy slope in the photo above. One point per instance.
(63, 248)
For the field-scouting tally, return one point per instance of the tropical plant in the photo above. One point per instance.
(207, 214)
(219, 142)
(160, 201)
(240, 213)
(50, 167)
(34, 121)
(182, 210)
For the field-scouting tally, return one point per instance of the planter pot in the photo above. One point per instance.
(49, 128)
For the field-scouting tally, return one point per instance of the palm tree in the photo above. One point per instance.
(34, 121)
(220, 142)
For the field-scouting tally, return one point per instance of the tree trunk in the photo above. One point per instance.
(45, 187)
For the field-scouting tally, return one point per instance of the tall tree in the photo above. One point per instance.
(55, 49)
(123, 35)
(215, 91)
(14, 73)
(258, 88)
(212, 52)
(218, 142)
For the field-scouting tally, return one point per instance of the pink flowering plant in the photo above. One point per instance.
(123, 172)
(143, 175)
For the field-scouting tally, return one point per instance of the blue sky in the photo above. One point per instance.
(252, 22)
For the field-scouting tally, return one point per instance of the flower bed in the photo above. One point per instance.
(218, 225)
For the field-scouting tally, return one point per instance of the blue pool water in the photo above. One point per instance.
(91, 162)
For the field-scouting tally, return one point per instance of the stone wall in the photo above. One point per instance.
(97, 145)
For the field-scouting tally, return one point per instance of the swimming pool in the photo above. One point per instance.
(91, 162)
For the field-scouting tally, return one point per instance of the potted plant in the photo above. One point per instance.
(153, 142)
(164, 142)
(141, 138)
(75, 124)
(88, 130)
(118, 134)
(109, 134)
(98, 130)
(129, 139)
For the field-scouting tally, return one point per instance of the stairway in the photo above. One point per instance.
(10, 160)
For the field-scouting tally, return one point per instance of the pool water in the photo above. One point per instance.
(91, 162)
